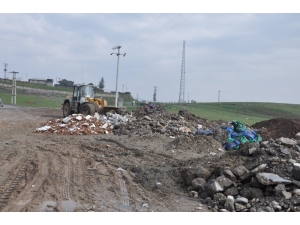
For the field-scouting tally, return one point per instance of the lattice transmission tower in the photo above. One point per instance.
(182, 78)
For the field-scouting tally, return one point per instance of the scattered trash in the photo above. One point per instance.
(44, 128)
(240, 133)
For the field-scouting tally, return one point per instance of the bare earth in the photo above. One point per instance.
(49, 172)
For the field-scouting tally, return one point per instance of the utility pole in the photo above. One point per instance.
(126, 86)
(82, 76)
(137, 100)
(118, 54)
(14, 88)
(123, 89)
(5, 69)
(188, 97)
(219, 97)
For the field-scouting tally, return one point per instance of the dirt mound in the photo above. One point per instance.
(278, 127)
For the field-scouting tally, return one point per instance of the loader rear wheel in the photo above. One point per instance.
(87, 109)
(66, 109)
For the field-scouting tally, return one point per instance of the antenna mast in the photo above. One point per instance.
(182, 78)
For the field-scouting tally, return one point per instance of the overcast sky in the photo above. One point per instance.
(247, 57)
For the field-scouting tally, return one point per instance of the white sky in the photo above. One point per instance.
(230, 47)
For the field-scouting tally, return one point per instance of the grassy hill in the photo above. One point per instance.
(246, 112)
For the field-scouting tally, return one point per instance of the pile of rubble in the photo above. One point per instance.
(269, 180)
(77, 124)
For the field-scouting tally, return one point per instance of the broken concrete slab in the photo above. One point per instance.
(286, 142)
(270, 178)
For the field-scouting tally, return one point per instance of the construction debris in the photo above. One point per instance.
(77, 124)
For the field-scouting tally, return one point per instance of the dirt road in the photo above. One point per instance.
(48, 172)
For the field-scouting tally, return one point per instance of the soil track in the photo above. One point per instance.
(48, 172)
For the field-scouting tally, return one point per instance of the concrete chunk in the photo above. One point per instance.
(270, 178)
(296, 171)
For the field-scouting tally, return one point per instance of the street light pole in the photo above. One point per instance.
(118, 54)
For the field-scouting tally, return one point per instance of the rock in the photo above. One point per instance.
(296, 171)
(78, 118)
(220, 198)
(66, 119)
(296, 148)
(246, 175)
(248, 206)
(252, 150)
(203, 173)
(213, 187)
(194, 194)
(252, 209)
(251, 192)
(241, 200)
(239, 207)
(147, 118)
(185, 130)
(279, 189)
(295, 200)
(296, 192)
(292, 161)
(286, 142)
(229, 204)
(285, 151)
(297, 136)
(259, 168)
(198, 184)
(270, 178)
(229, 174)
(224, 181)
(239, 171)
(269, 209)
(286, 195)
(297, 183)
(254, 183)
(231, 191)
(223, 210)
(264, 144)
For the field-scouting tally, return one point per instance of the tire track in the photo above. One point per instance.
(6, 192)
(124, 192)
(32, 188)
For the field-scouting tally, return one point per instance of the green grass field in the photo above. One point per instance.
(246, 112)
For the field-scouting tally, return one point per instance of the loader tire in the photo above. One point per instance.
(87, 109)
(96, 106)
(66, 109)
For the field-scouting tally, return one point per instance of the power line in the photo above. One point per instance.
(163, 33)
(143, 29)
(155, 31)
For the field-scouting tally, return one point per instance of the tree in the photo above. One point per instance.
(66, 83)
(101, 84)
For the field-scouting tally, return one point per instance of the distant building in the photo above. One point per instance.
(48, 82)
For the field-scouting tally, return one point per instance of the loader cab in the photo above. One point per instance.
(82, 92)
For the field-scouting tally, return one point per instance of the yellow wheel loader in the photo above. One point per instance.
(83, 101)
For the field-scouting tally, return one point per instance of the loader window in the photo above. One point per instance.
(87, 91)
(75, 94)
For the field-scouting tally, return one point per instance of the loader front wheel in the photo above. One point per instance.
(88, 109)
(66, 109)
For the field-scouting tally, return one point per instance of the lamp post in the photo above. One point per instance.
(118, 54)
